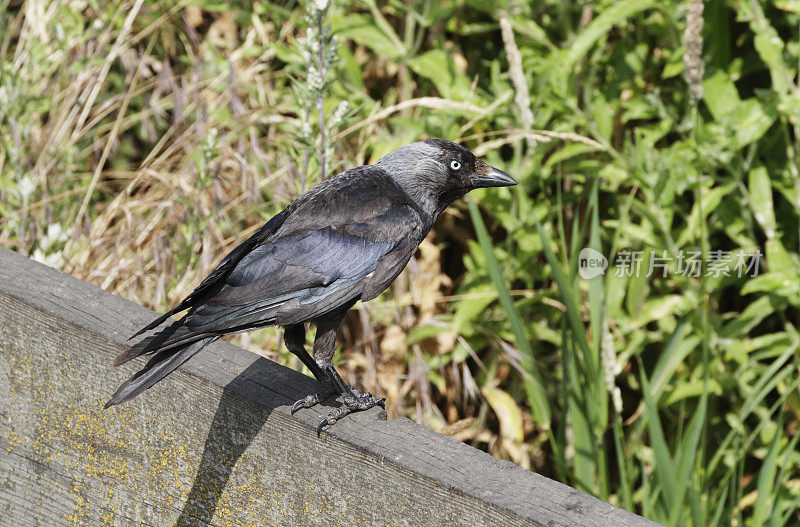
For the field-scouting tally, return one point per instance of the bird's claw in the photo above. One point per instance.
(352, 403)
(307, 402)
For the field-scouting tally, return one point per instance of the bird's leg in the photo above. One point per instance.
(325, 372)
(354, 401)
(295, 338)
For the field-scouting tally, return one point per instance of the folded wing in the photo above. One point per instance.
(345, 239)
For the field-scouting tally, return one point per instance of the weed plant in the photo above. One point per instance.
(141, 141)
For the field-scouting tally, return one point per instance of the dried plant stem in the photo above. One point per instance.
(522, 97)
(306, 154)
(323, 70)
(116, 49)
(112, 137)
(434, 103)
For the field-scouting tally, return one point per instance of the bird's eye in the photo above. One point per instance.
(455, 165)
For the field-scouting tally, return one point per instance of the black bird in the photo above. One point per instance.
(344, 240)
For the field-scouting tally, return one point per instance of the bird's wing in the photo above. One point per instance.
(390, 266)
(215, 280)
(345, 238)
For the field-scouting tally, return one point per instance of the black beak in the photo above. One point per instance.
(495, 178)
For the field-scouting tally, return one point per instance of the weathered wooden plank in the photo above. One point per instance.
(214, 444)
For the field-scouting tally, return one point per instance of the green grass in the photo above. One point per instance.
(139, 142)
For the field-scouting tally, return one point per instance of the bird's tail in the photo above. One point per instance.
(171, 347)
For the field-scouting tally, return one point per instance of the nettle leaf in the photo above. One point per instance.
(750, 120)
(471, 309)
(659, 308)
(692, 388)
(720, 95)
(708, 204)
(746, 120)
(437, 66)
(363, 30)
(778, 258)
(782, 284)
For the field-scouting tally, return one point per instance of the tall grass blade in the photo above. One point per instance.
(664, 467)
(533, 385)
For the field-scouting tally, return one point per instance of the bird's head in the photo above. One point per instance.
(436, 172)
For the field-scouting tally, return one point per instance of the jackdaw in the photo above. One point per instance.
(342, 241)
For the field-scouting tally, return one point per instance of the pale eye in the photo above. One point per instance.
(455, 165)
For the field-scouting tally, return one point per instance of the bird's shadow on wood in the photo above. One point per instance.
(236, 423)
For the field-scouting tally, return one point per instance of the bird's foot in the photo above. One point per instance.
(309, 401)
(333, 384)
(353, 402)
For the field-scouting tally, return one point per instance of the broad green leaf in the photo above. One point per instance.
(610, 16)
(686, 455)
(568, 151)
(613, 176)
(792, 6)
(784, 284)
(425, 331)
(676, 350)
(750, 121)
(603, 115)
(658, 308)
(692, 388)
(363, 30)
(530, 29)
(720, 95)
(663, 468)
(469, 309)
(767, 380)
(778, 258)
(597, 323)
(764, 506)
(708, 203)
(580, 402)
(770, 48)
(749, 318)
(437, 66)
(675, 65)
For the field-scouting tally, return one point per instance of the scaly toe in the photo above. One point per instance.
(307, 402)
(332, 418)
(352, 404)
(364, 402)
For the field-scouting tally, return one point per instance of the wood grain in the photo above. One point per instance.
(214, 444)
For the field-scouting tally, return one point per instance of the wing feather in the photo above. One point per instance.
(318, 270)
(352, 233)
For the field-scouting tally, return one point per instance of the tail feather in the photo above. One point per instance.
(154, 324)
(162, 364)
(170, 337)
